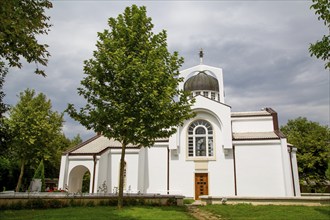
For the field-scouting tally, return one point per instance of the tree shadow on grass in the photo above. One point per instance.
(323, 211)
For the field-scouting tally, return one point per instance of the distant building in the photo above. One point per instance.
(217, 153)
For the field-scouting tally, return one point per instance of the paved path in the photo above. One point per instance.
(201, 214)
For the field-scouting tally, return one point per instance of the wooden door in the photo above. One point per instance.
(201, 185)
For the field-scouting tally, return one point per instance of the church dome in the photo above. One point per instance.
(201, 81)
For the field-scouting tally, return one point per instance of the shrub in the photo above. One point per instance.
(90, 204)
(17, 206)
(54, 203)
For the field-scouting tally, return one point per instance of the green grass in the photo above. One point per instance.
(188, 201)
(242, 211)
(82, 213)
(264, 212)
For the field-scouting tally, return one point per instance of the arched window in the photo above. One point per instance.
(200, 139)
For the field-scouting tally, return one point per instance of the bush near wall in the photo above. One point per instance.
(51, 203)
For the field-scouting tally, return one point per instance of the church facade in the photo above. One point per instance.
(216, 153)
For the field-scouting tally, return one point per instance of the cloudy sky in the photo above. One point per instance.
(262, 47)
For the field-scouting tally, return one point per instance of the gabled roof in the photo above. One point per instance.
(250, 114)
(255, 136)
(98, 144)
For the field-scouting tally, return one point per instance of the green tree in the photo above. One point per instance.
(40, 174)
(321, 49)
(35, 126)
(312, 141)
(59, 144)
(131, 85)
(4, 130)
(75, 141)
(21, 21)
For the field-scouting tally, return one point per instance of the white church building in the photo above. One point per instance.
(216, 153)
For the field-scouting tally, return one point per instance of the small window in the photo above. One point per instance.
(206, 94)
(198, 93)
(212, 95)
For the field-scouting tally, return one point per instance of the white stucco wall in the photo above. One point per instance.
(156, 170)
(219, 168)
(63, 172)
(75, 177)
(131, 159)
(259, 170)
(252, 124)
(104, 171)
(295, 171)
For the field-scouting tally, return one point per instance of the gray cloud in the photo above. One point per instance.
(262, 47)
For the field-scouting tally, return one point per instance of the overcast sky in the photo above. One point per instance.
(262, 47)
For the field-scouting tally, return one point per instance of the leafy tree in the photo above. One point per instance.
(40, 174)
(35, 126)
(321, 49)
(20, 22)
(327, 173)
(75, 141)
(131, 85)
(59, 144)
(4, 130)
(312, 141)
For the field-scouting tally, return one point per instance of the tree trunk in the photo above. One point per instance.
(20, 176)
(121, 177)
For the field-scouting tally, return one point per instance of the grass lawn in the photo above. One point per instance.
(99, 212)
(246, 211)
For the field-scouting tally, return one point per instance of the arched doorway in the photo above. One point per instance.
(76, 177)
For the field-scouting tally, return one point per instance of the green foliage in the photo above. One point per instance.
(312, 141)
(321, 49)
(35, 128)
(86, 182)
(4, 130)
(40, 174)
(327, 172)
(188, 201)
(60, 143)
(75, 141)
(21, 21)
(131, 84)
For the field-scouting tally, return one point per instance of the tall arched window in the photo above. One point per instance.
(200, 139)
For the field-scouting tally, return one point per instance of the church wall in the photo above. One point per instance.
(288, 180)
(219, 114)
(76, 161)
(131, 159)
(260, 124)
(259, 170)
(155, 172)
(63, 172)
(104, 170)
(295, 171)
(221, 175)
(219, 168)
(181, 175)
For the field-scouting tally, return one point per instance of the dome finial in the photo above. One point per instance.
(201, 54)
